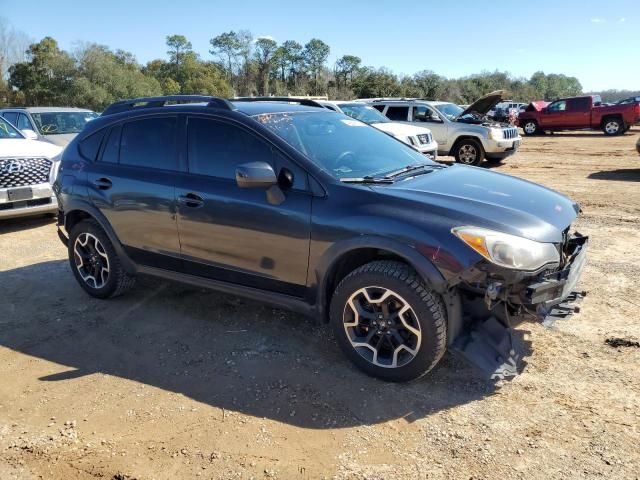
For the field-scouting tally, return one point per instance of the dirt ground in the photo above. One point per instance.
(172, 382)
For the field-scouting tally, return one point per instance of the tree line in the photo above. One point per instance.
(237, 64)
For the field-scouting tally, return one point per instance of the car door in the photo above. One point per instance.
(425, 116)
(578, 112)
(132, 183)
(554, 115)
(235, 234)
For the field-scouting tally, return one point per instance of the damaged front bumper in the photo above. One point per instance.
(488, 340)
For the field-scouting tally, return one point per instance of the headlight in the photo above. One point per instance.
(507, 250)
(55, 167)
(496, 134)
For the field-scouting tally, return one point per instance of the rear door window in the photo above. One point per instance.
(150, 143)
(578, 104)
(398, 114)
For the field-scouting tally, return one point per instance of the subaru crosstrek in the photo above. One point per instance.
(320, 213)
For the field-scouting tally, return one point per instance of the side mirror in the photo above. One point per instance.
(435, 118)
(30, 134)
(255, 175)
(545, 110)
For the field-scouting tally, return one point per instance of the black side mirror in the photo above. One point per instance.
(255, 175)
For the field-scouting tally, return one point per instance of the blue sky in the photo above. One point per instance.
(598, 42)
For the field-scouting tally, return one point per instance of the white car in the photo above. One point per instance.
(27, 171)
(419, 138)
(466, 134)
(57, 125)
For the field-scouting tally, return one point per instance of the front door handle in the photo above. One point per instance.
(191, 200)
(103, 183)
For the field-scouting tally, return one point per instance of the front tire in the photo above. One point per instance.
(469, 152)
(530, 127)
(95, 263)
(612, 126)
(388, 322)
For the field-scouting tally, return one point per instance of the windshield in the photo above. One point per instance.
(8, 131)
(449, 110)
(364, 113)
(58, 123)
(344, 147)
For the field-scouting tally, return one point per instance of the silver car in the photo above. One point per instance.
(466, 134)
(57, 125)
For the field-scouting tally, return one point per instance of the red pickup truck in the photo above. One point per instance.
(579, 113)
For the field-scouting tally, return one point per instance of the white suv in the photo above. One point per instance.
(466, 134)
(27, 171)
(419, 138)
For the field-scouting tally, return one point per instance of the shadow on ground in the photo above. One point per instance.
(12, 225)
(620, 175)
(219, 350)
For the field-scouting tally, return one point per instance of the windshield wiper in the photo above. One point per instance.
(410, 168)
(366, 179)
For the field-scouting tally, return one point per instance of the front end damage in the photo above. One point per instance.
(491, 301)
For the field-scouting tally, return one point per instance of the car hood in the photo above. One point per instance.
(62, 139)
(400, 129)
(484, 104)
(18, 147)
(482, 198)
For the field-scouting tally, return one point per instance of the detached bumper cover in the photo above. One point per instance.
(492, 345)
(554, 288)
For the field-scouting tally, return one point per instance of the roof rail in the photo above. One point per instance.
(153, 102)
(307, 102)
(395, 99)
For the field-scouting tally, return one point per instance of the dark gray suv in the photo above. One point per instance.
(315, 211)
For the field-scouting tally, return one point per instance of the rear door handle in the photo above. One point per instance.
(103, 183)
(191, 200)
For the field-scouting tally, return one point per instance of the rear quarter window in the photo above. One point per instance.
(90, 146)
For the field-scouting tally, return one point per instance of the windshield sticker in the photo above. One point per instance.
(352, 123)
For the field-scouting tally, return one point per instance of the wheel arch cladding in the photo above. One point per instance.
(77, 211)
(344, 257)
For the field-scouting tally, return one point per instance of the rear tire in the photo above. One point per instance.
(388, 322)
(530, 127)
(95, 263)
(469, 152)
(612, 126)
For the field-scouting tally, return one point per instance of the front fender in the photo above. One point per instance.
(333, 255)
